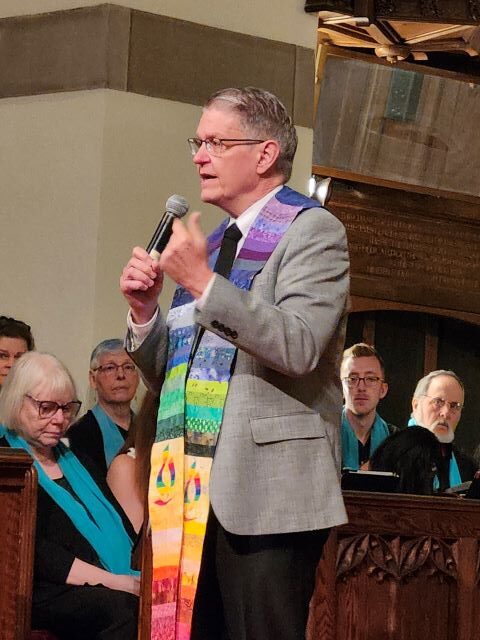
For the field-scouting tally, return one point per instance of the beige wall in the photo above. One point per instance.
(84, 177)
(50, 173)
(283, 20)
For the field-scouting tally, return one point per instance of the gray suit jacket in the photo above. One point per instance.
(278, 455)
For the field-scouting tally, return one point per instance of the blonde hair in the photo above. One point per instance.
(363, 350)
(29, 371)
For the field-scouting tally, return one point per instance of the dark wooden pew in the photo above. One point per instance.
(18, 503)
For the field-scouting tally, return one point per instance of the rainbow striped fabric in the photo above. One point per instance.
(189, 421)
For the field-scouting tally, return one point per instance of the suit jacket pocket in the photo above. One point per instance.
(295, 426)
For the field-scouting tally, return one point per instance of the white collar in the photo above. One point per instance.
(247, 218)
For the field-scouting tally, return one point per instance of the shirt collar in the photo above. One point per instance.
(247, 218)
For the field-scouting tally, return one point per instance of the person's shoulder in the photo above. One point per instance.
(121, 474)
(392, 428)
(87, 418)
(467, 465)
(318, 222)
(121, 463)
(86, 422)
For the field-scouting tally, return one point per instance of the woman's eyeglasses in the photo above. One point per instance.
(48, 408)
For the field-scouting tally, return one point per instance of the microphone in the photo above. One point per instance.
(175, 207)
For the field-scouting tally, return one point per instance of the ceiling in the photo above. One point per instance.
(446, 45)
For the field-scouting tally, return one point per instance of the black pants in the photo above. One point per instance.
(87, 613)
(255, 587)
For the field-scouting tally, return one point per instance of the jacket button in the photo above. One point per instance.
(234, 335)
(228, 331)
(221, 327)
(215, 324)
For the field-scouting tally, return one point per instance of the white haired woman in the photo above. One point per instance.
(83, 584)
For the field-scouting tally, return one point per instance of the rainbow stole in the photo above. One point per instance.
(189, 420)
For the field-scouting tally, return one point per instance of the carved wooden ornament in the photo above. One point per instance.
(397, 558)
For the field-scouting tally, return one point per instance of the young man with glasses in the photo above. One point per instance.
(251, 384)
(363, 380)
(437, 405)
(101, 432)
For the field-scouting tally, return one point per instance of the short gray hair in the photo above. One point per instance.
(423, 384)
(29, 371)
(264, 116)
(111, 345)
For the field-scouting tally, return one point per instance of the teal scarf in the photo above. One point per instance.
(454, 476)
(101, 525)
(112, 440)
(350, 441)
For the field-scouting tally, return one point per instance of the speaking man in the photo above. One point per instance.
(437, 405)
(250, 354)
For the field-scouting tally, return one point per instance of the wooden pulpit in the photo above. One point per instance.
(403, 568)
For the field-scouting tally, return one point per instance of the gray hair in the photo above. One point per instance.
(263, 116)
(28, 372)
(424, 383)
(111, 345)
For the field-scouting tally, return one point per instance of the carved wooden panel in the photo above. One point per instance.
(17, 530)
(398, 558)
(403, 568)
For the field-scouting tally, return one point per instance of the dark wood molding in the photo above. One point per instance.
(351, 176)
(114, 47)
(431, 344)
(448, 12)
(368, 334)
(360, 303)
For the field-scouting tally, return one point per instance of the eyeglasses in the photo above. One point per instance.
(48, 408)
(217, 146)
(369, 381)
(128, 369)
(439, 403)
(7, 355)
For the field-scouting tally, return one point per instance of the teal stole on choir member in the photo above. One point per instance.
(378, 433)
(92, 514)
(454, 476)
(189, 420)
(112, 439)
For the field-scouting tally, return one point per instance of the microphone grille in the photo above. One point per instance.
(177, 206)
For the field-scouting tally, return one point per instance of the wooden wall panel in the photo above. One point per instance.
(410, 248)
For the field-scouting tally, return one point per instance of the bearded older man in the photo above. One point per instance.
(437, 405)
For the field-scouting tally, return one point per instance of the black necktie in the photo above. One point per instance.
(228, 250)
(223, 266)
